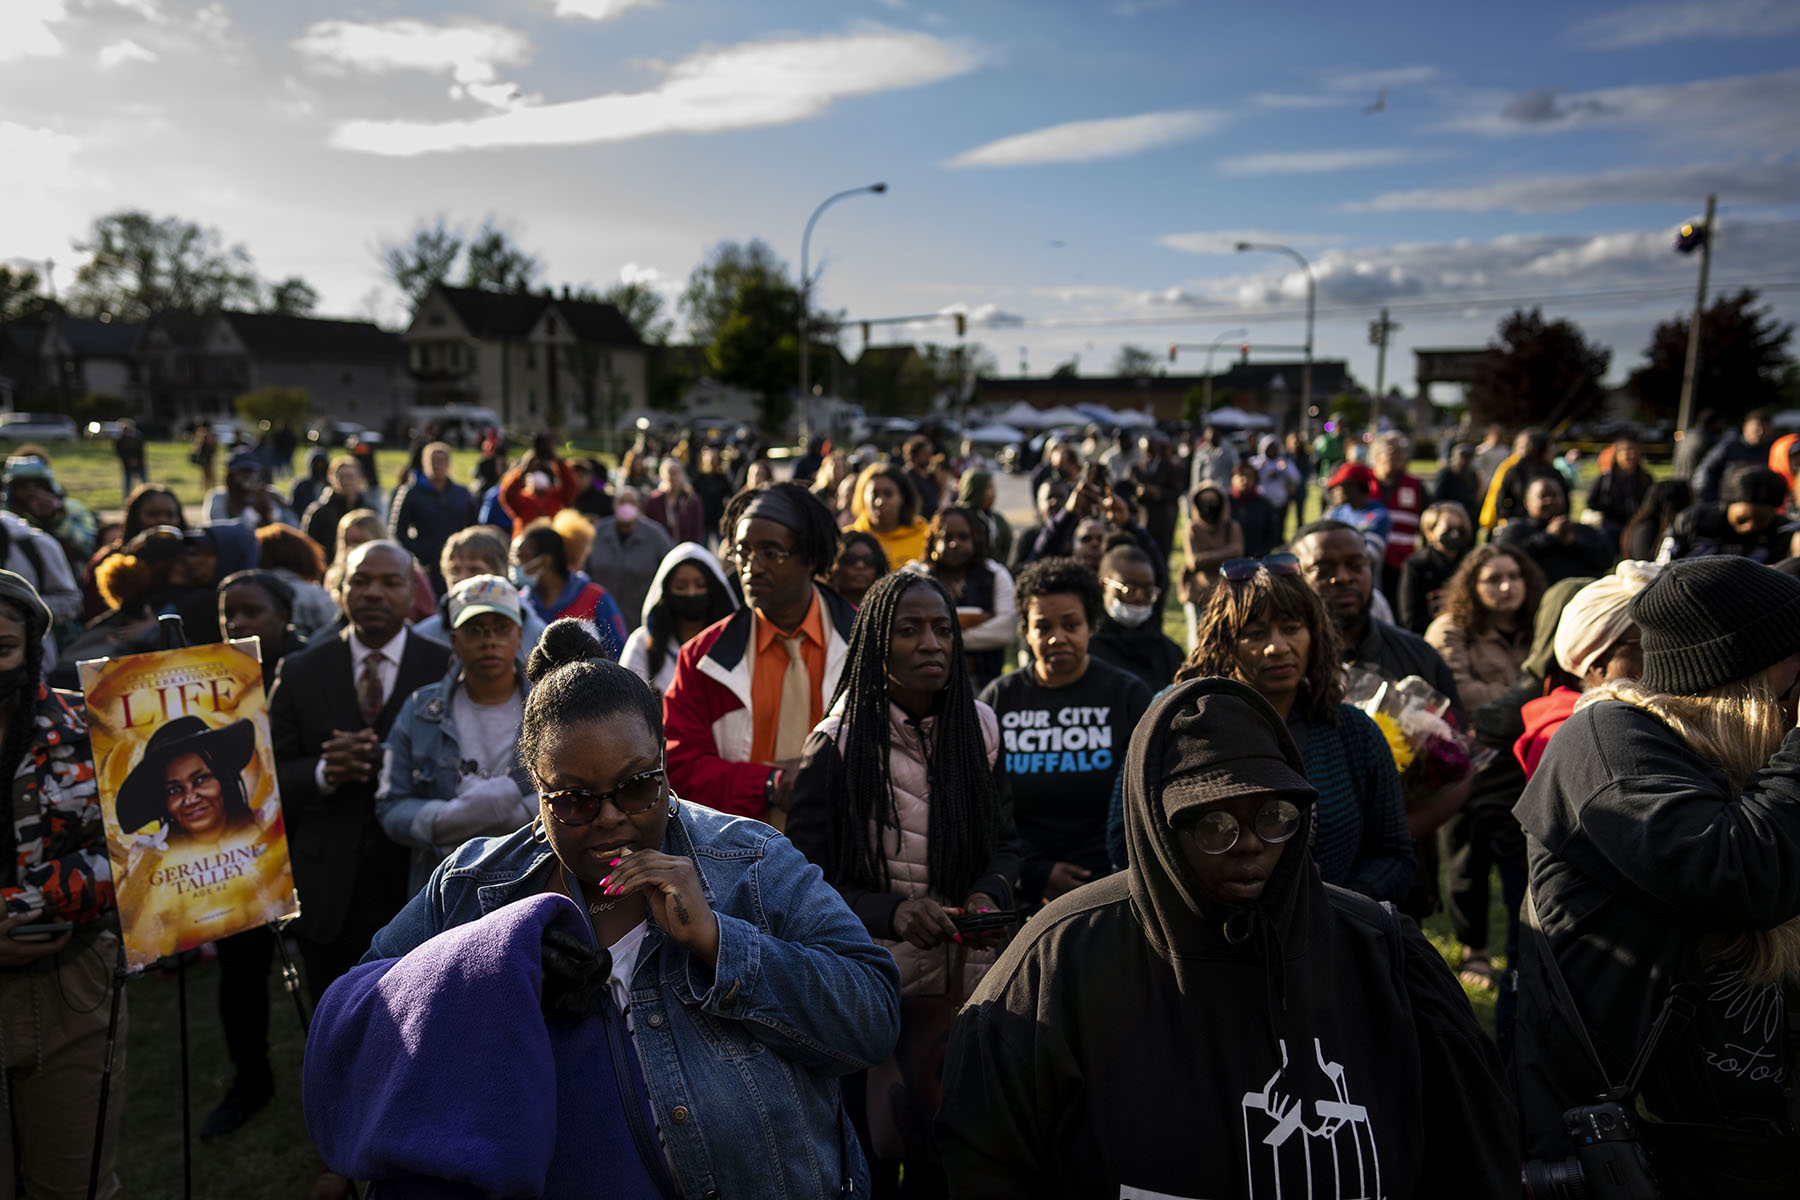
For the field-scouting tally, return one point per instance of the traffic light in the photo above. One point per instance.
(1690, 238)
(1244, 352)
(1172, 349)
(962, 324)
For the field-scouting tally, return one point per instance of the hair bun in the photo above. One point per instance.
(565, 641)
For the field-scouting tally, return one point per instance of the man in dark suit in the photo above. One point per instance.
(331, 708)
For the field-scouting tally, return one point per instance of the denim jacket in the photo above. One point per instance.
(423, 764)
(740, 1060)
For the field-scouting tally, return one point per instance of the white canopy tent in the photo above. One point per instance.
(1236, 418)
(996, 433)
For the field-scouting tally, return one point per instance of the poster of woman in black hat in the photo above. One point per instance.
(187, 787)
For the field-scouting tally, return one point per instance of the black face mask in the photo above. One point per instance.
(17, 679)
(1454, 541)
(1210, 510)
(689, 608)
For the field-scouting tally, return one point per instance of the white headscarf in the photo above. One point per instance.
(1598, 615)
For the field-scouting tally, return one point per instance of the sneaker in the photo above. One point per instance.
(243, 1100)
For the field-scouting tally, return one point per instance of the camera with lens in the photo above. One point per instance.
(1609, 1162)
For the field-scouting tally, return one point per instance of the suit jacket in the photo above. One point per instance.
(332, 838)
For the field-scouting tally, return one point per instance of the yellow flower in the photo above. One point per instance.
(1396, 740)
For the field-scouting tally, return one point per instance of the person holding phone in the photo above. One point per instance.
(901, 800)
(58, 936)
(657, 998)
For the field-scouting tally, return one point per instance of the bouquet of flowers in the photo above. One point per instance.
(1415, 718)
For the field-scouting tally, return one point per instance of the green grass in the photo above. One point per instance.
(269, 1158)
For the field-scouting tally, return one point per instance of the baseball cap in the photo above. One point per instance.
(484, 594)
(1352, 472)
(1228, 743)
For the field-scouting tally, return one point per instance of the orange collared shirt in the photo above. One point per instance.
(771, 667)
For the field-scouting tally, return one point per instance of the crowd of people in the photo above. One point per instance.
(1094, 911)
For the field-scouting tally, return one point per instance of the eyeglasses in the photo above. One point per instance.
(1127, 592)
(1217, 830)
(579, 806)
(768, 554)
(1237, 570)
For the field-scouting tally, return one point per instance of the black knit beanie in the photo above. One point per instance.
(1709, 621)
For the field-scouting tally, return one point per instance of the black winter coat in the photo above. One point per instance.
(1643, 862)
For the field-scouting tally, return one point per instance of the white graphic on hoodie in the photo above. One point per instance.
(1326, 1139)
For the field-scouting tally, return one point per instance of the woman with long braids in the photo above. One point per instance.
(900, 801)
(645, 998)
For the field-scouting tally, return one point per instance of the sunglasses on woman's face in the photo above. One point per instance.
(1237, 570)
(579, 806)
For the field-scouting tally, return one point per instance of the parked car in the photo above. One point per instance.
(37, 427)
(336, 433)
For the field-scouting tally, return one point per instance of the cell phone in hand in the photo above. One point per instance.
(39, 931)
(985, 922)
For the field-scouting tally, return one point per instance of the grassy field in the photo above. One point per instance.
(271, 1157)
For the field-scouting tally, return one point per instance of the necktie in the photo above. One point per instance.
(795, 719)
(368, 688)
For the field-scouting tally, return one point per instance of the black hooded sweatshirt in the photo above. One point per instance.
(1129, 1039)
(1642, 859)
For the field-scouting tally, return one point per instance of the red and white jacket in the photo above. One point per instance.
(707, 726)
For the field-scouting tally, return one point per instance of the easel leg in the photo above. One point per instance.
(187, 1139)
(106, 1071)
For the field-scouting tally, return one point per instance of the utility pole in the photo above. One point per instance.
(1686, 412)
(1379, 332)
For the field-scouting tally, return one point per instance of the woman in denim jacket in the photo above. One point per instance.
(452, 769)
(745, 984)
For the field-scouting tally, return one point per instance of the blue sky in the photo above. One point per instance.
(1070, 174)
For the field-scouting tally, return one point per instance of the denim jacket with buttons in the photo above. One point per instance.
(741, 1060)
(423, 764)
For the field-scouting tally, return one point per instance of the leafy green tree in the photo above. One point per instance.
(496, 262)
(742, 307)
(1135, 361)
(274, 405)
(293, 297)
(139, 265)
(643, 309)
(423, 259)
(22, 297)
(1743, 355)
(1067, 369)
(1538, 372)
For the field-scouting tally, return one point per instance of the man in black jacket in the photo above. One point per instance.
(1215, 1020)
(1561, 546)
(331, 708)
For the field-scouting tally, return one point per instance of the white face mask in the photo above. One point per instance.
(539, 480)
(1131, 615)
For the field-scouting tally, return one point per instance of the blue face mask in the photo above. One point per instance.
(521, 579)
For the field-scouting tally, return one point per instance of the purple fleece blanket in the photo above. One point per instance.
(438, 1072)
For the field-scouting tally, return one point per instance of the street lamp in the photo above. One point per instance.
(1206, 384)
(1311, 288)
(806, 301)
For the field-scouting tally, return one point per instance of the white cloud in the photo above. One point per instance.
(1750, 110)
(25, 28)
(471, 53)
(1085, 141)
(123, 52)
(41, 167)
(597, 10)
(739, 87)
(1654, 24)
(146, 9)
(1224, 241)
(1296, 100)
(1315, 162)
(981, 316)
(1745, 183)
(646, 276)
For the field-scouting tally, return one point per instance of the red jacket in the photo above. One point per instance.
(707, 725)
(527, 507)
(1543, 717)
(1405, 502)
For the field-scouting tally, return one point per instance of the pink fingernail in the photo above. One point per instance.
(615, 862)
(603, 881)
(956, 937)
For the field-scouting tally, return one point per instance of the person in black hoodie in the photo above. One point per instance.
(1130, 635)
(1446, 533)
(1560, 545)
(1253, 512)
(1216, 1021)
(1663, 853)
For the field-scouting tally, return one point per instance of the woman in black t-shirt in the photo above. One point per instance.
(1065, 723)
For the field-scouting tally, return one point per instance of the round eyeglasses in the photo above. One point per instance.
(1217, 830)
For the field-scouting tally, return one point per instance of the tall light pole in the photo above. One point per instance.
(1691, 365)
(806, 301)
(1311, 290)
(1206, 384)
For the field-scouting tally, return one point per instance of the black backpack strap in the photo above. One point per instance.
(1677, 1010)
